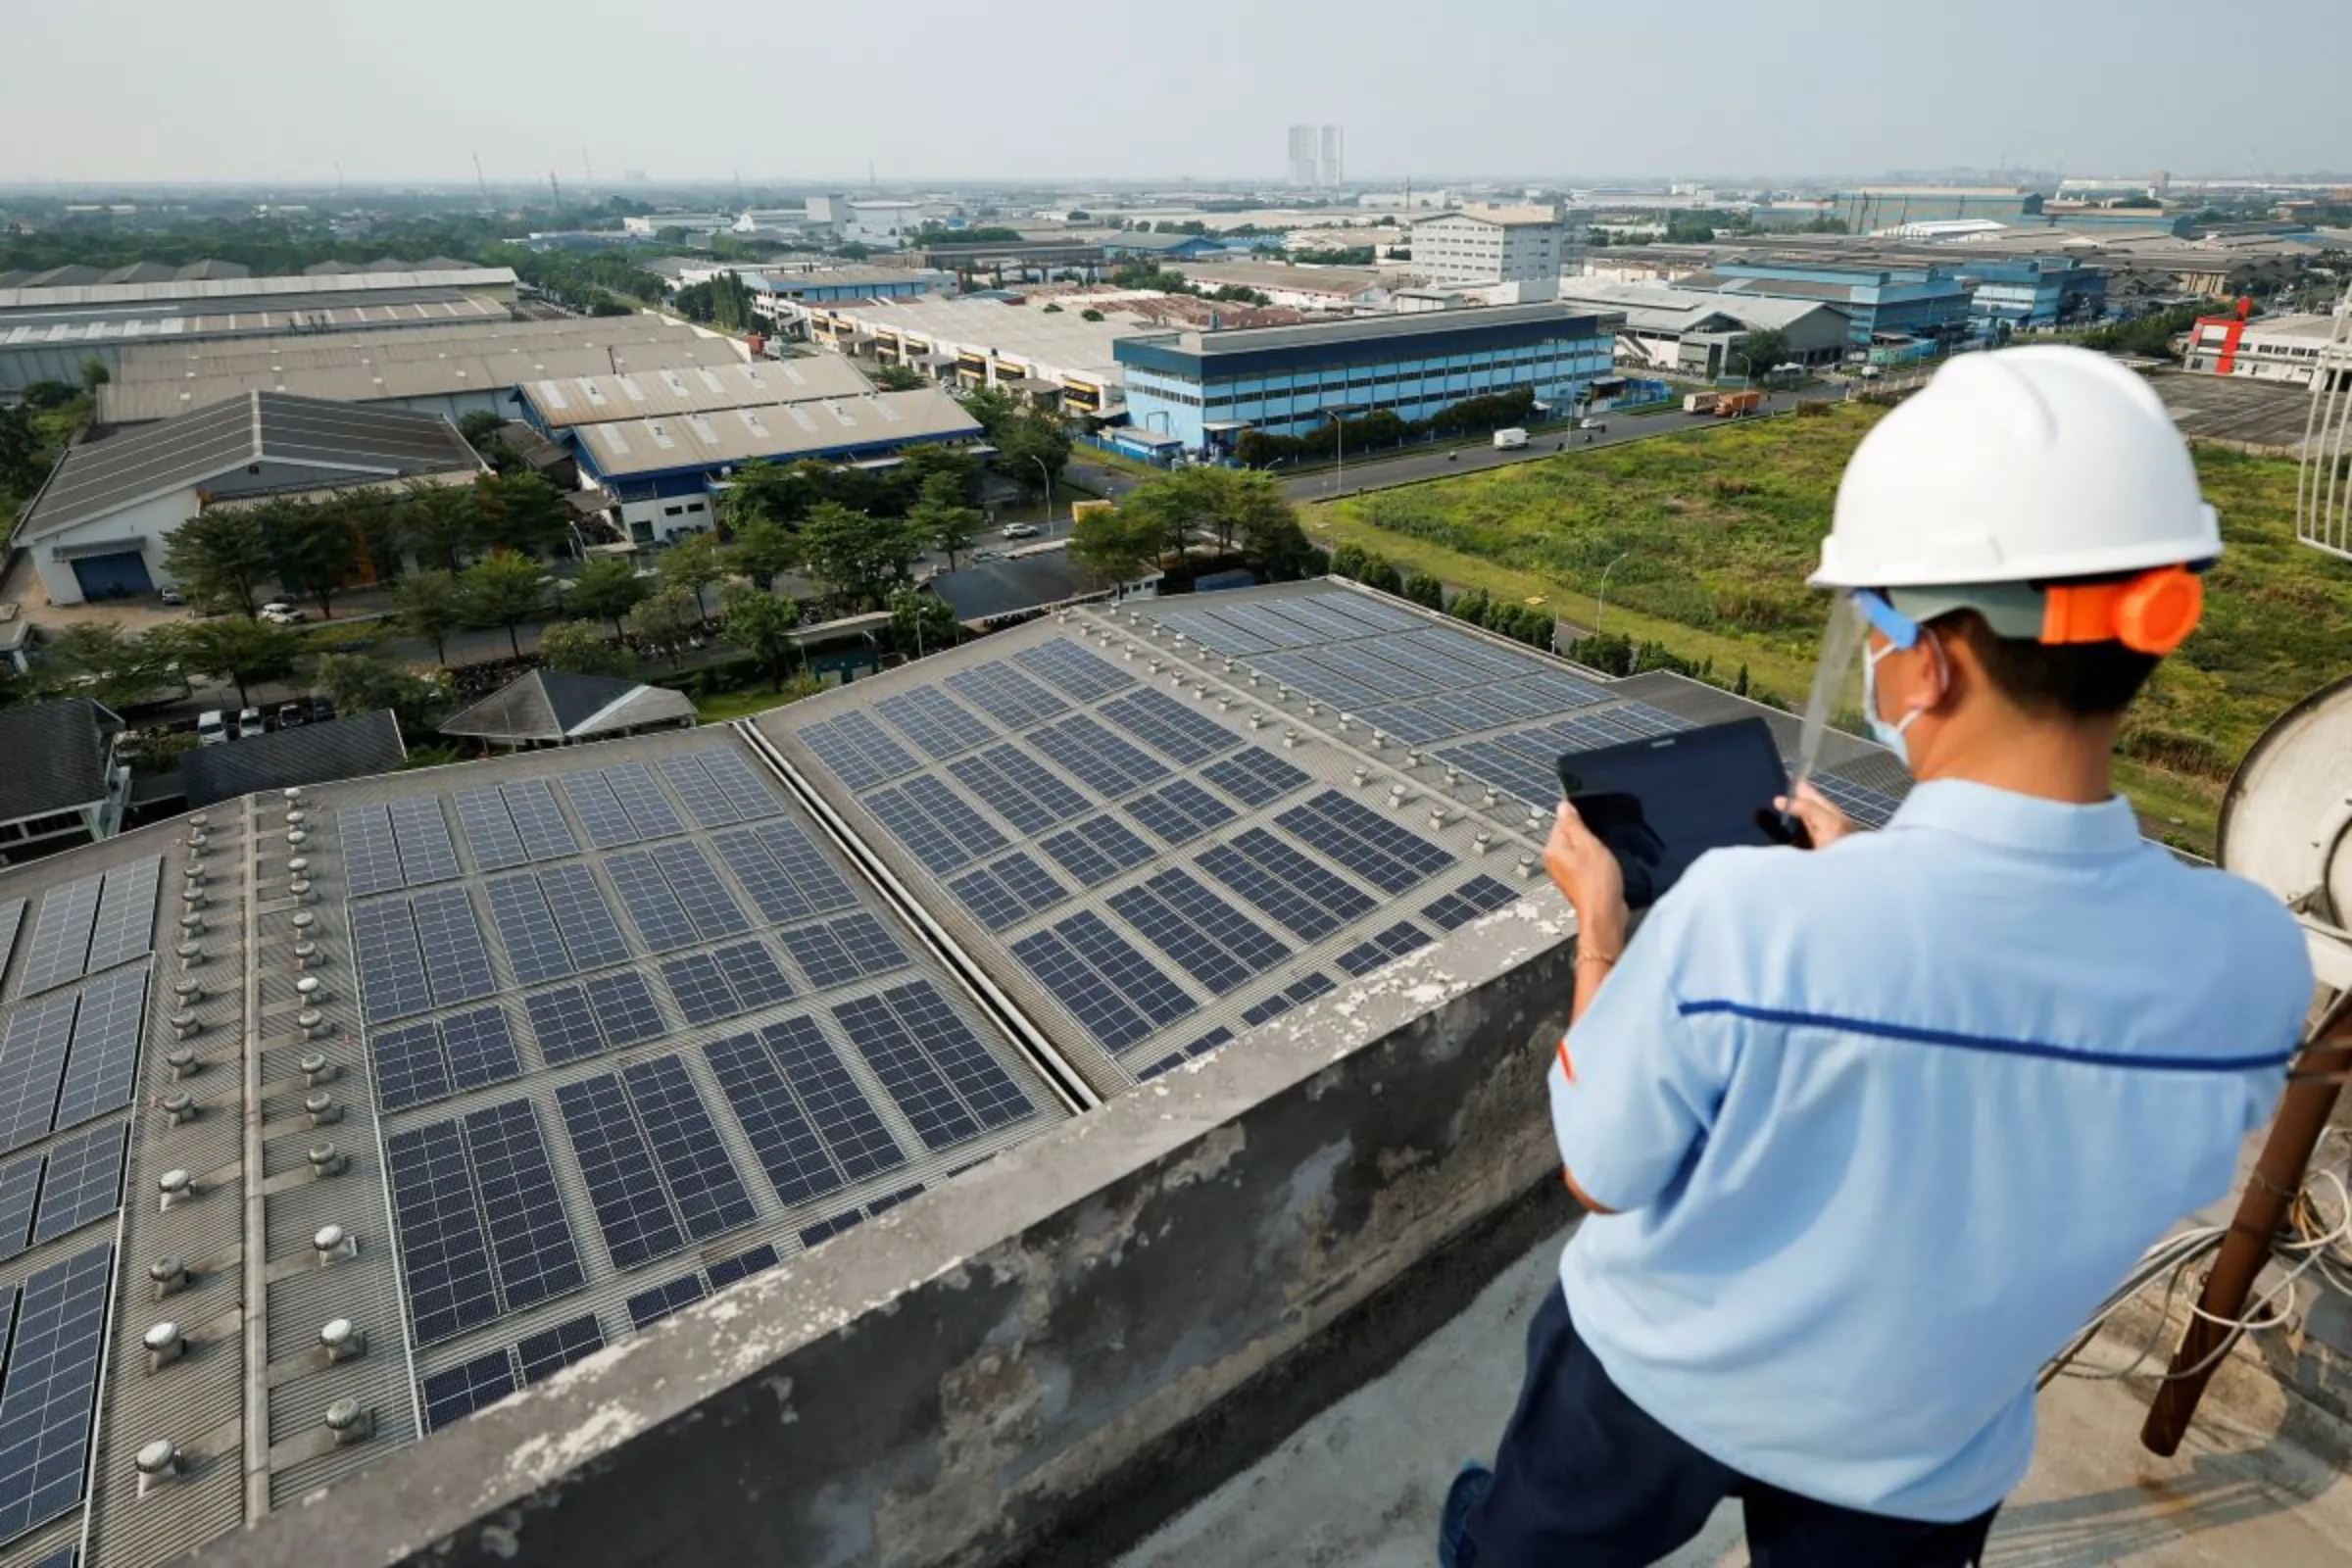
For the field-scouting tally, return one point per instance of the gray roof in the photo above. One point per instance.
(550, 705)
(56, 754)
(1665, 306)
(1355, 328)
(337, 444)
(67, 288)
(656, 392)
(783, 434)
(988, 589)
(309, 754)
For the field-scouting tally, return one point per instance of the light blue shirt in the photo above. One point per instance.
(1886, 1121)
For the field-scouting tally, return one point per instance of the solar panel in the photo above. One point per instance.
(546, 1354)
(1170, 728)
(783, 1132)
(649, 814)
(84, 1181)
(32, 1061)
(538, 822)
(1008, 891)
(1209, 1042)
(702, 1181)
(856, 750)
(1136, 977)
(699, 891)
(1211, 633)
(1271, 630)
(421, 833)
(599, 810)
(1284, 884)
(935, 721)
(1255, 776)
(1382, 948)
(590, 931)
(526, 929)
(1480, 894)
(489, 830)
(125, 925)
(20, 1184)
(1096, 850)
(1370, 612)
(934, 1067)
(648, 1307)
(562, 1024)
(825, 1230)
(480, 1048)
(12, 920)
(1005, 695)
(1180, 811)
(727, 1270)
(102, 1065)
(1389, 857)
(1867, 806)
(891, 1200)
(1114, 1020)
(443, 1255)
(751, 968)
(530, 1243)
(841, 951)
(631, 1211)
(1319, 681)
(701, 991)
(705, 802)
(1281, 1002)
(1415, 727)
(51, 1393)
(1209, 939)
(370, 863)
(1019, 788)
(1097, 758)
(652, 907)
(1076, 671)
(410, 1067)
(469, 1387)
(456, 963)
(745, 790)
(61, 935)
(786, 876)
(623, 1007)
(943, 832)
(391, 966)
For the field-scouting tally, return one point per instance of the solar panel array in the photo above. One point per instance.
(78, 1181)
(69, 1055)
(87, 926)
(54, 1330)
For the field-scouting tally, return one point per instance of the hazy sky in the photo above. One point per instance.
(408, 90)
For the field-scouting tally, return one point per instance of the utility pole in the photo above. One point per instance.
(480, 181)
(587, 174)
(555, 192)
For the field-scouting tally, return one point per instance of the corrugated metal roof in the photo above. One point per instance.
(565, 400)
(33, 297)
(783, 434)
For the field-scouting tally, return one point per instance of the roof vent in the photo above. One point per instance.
(181, 1059)
(169, 1275)
(300, 865)
(192, 896)
(296, 816)
(1380, 738)
(1527, 865)
(1257, 720)
(1489, 796)
(1396, 794)
(306, 953)
(1453, 776)
(1436, 816)
(300, 886)
(176, 1186)
(164, 1345)
(192, 923)
(333, 1244)
(1290, 738)
(293, 792)
(310, 1021)
(350, 1422)
(327, 1161)
(1484, 840)
(179, 1107)
(1412, 757)
(185, 1023)
(320, 1107)
(296, 836)
(1313, 707)
(189, 991)
(316, 1069)
(342, 1339)
(1358, 774)
(310, 989)
(191, 954)
(159, 1463)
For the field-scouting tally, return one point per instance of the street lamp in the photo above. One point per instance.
(1046, 474)
(1601, 600)
(1338, 422)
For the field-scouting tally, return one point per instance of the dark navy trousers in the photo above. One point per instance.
(1586, 1479)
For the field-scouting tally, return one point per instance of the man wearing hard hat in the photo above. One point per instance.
(1866, 1132)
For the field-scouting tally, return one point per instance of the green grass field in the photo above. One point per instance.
(1713, 532)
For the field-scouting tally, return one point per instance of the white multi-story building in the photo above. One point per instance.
(1491, 245)
(1306, 168)
(2294, 349)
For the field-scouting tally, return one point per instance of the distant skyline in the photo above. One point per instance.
(282, 91)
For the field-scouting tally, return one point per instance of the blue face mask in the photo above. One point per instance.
(1887, 735)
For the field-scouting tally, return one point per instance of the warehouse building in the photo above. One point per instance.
(2298, 350)
(98, 528)
(1056, 355)
(555, 405)
(2032, 293)
(1202, 389)
(1527, 245)
(450, 371)
(1693, 333)
(774, 294)
(1342, 290)
(1928, 303)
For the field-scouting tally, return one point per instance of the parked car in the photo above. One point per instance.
(292, 713)
(1021, 530)
(211, 729)
(321, 710)
(250, 723)
(170, 596)
(280, 615)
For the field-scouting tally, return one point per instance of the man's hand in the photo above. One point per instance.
(1588, 875)
(1824, 824)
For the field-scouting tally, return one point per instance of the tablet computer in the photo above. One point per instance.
(1660, 804)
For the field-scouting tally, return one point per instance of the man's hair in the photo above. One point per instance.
(2072, 680)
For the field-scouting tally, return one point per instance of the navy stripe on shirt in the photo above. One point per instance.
(2000, 1046)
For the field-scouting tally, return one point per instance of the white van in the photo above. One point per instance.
(212, 729)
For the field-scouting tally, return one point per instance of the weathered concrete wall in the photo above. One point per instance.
(986, 1373)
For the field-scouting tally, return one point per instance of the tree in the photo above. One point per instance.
(361, 683)
(859, 556)
(1118, 545)
(314, 545)
(941, 520)
(606, 589)
(665, 623)
(221, 557)
(430, 605)
(579, 647)
(1761, 351)
(505, 591)
(1029, 440)
(437, 521)
(922, 623)
(919, 465)
(762, 551)
(240, 650)
(693, 562)
(1423, 589)
(766, 492)
(761, 626)
(24, 455)
(518, 512)
(94, 374)
(481, 428)
(898, 378)
(115, 670)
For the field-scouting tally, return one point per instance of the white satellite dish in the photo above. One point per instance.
(2286, 823)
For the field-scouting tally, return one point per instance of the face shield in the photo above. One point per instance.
(1835, 700)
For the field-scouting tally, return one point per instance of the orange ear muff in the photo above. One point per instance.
(2156, 612)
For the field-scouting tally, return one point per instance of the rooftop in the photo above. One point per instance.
(548, 707)
(781, 433)
(1403, 327)
(1065, 338)
(57, 753)
(230, 318)
(1267, 276)
(1664, 307)
(352, 746)
(196, 293)
(1498, 216)
(660, 393)
(178, 361)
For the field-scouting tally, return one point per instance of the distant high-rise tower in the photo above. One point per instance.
(1304, 168)
(1335, 141)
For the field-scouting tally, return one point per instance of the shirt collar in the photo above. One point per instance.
(2021, 822)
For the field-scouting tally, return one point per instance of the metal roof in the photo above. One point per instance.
(1062, 340)
(342, 443)
(1370, 328)
(392, 308)
(657, 392)
(548, 706)
(782, 433)
(195, 292)
(352, 746)
(1664, 307)
(57, 753)
(176, 360)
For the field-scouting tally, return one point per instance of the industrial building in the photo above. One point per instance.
(773, 293)
(1883, 305)
(451, 371)
(98, 528)
(560, 404)
(2298, 350)
(63, 785)
(48, 331)
(664, 475)
(1129, 245)
(1303, 288)
(1022, 346)
(1491, 245)
(1204, 389)
(1695, 333)
(2032, 293)
(1022, 259)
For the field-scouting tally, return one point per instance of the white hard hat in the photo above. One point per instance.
(2023, 466)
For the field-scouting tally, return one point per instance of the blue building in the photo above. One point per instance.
(1928, 302)
(1205, 388)
(1162, 247)
(2030, 293)
(847, 283)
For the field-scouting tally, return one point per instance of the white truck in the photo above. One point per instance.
(1510, 440)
